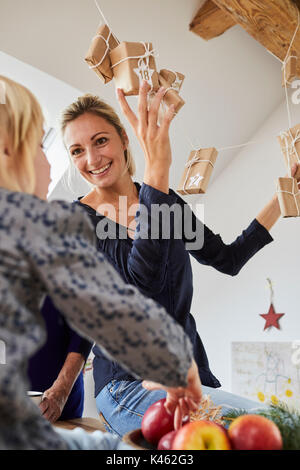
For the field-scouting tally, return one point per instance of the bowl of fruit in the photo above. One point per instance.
(208, 430)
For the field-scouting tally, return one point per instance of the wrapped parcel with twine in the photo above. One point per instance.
(289, 69)
(290, 146)
(98, 57)
(172, 82)
(174, 79)
(133, 62)
(288, 197)
(198, 170)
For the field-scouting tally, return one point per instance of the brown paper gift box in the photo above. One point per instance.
(290, 68)
(127, 74)
(98, 53)
(288, 197)
(171, 96)
(293, 154)
(175, 79)
(198, 174)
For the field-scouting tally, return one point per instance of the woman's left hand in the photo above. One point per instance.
(153, 138)
(53, 403)
(294, 170)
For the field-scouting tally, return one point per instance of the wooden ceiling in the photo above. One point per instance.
(271, 22)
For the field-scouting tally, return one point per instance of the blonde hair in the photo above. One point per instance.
(21, 122)
(92, 104)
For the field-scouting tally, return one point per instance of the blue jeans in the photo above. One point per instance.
(123, 403)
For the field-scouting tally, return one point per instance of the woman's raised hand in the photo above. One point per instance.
(153, 138)
(294, 170)
(182, 400)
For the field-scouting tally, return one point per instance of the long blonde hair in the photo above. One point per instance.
(92, 104)
(21, 123)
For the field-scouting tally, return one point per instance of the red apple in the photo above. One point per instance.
(166, 441)
(254, 432)
(157, 422)
(201, 435)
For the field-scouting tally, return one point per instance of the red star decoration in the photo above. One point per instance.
(271, 318)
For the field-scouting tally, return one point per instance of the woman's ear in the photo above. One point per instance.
(125, 140)
(5, 146)
(7, 151)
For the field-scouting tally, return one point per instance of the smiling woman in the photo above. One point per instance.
(98, 154)
(158, 265)
(90, 113)
(98, 147)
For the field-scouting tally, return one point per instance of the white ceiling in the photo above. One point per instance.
(232, 84)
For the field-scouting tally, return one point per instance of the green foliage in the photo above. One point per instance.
(287, 420)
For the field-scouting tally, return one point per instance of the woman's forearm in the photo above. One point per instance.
(269, 215)
(157, 178)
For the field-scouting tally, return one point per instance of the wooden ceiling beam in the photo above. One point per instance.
(211, 21)
(271, 22)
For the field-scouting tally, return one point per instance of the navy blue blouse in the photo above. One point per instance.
(46, 364)
(161, 269)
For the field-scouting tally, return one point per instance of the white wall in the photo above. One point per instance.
(227, 308)
(53, 95)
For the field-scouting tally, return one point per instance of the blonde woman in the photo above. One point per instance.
(50, 249)
(121, 211)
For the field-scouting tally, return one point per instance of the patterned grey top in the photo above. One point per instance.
(50, 249)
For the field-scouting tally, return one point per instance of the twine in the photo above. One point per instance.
(177, 82)
(286, 59)
(105, 21)
(271, 289)
(172, 87)
(106, 50)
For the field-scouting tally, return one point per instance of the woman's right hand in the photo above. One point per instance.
(181, 400)
(153, 138)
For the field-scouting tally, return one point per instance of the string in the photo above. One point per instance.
(293, 35)
(105, 20)
(239, 145)
(271, 290)
(284, 62)
(106, 50)
(146, 56)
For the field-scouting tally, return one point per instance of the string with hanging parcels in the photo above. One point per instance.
(289, 140)
(193, 181)
(129, 63)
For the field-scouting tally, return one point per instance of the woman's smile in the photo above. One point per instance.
(100, 172)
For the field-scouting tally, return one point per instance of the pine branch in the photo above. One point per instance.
(287, 420)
